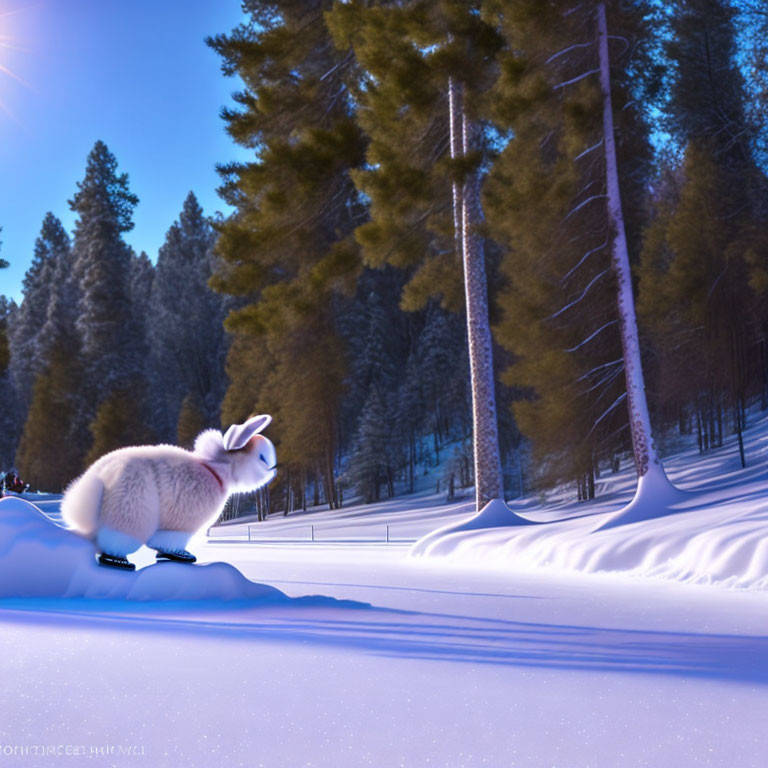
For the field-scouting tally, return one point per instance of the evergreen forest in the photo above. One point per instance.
(388, 140)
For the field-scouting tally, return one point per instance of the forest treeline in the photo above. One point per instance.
(332, 296)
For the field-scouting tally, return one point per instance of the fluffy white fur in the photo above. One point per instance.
(160, 495)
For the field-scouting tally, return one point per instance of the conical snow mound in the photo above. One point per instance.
(495, 514)
(655, 497)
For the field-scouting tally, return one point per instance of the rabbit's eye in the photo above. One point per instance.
(261, 457)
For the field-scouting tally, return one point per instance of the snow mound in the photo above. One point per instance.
(705, 538)
(655, 497)
(710, 528)
(495, 514)
(40, 559)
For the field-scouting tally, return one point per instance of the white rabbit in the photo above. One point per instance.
(160, 495)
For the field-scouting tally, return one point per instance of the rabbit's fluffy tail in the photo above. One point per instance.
(81, 504)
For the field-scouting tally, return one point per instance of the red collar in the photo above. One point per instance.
(215, 474)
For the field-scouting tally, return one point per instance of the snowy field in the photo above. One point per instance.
(548, 645)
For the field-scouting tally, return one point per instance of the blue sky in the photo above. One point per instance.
(135, 74)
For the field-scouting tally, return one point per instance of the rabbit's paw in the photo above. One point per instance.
(116, 561)
(178, 557)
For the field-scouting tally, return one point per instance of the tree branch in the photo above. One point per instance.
(581, 205)
(576, 79)
(592, 336)
(582, 260)
(599, 367)
(583, 294)
(616, 402)
(566, 50)
(588, 150)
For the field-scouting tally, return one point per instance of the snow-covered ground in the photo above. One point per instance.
(717, 534)
(353, 653)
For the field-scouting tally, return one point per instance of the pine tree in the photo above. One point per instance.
(248, 361)
(5, 355)
(8, 407)
(377, 361)
(439, 358)
(187, 345)
(557, 290)
(9, 427)
(51, 246)
(5, 352)
(55, 435)
(425, 67)
(50, 453)
(59, 326)
(370, 462)
(703, 107)
(554, 200)
(695, 299)
(409, 417)
(405, 54)
(119, 422)
(288, 249)
(705, 244)
(104, 205)
(141, 275)
(303, 391)
(110, 331)
(141, 278)
(752, 25)
(377, 336)
(654, 490)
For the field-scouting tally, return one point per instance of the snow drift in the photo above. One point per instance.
(715, 533)
(40, 559)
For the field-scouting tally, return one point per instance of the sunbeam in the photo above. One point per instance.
(8, 42)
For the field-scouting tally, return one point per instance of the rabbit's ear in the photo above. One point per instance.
(238, 435)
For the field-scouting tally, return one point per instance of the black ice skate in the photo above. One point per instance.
(116, 561)
(177, 557)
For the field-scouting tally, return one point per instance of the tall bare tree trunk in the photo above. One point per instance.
(653, 486)
(490, 508)
(466, 202)
(456, 110)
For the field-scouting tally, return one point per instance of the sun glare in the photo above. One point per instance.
(8, 42)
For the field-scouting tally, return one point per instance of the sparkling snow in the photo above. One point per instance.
(472, 656)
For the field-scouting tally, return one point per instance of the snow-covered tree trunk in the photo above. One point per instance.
(456, 110)
(488, 477)
(651, 476)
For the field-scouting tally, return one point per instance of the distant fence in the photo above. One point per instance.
(310, 534)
